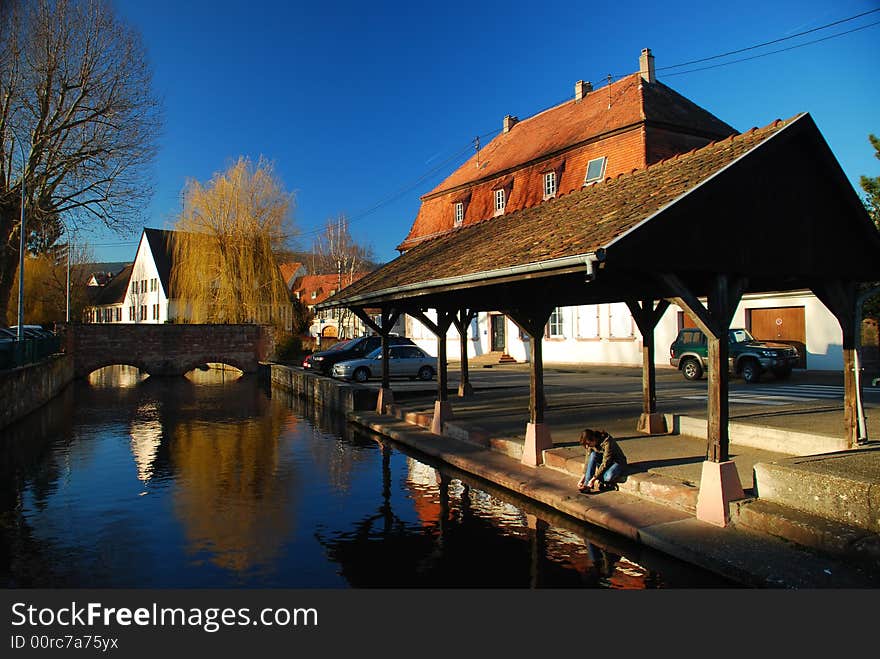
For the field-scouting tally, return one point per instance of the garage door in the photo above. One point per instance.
(782, 325)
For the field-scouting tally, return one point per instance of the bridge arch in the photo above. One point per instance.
(166, 349)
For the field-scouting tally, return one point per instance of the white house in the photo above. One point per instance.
(607, 333)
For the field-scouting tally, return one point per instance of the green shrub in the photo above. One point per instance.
(288, 348)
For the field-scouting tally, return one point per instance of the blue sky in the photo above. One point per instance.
(364, 107)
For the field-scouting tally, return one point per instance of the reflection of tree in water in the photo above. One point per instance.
(463, 538)
(232, 488)
(30, 463)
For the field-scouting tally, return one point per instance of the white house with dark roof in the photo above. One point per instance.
(142, 292)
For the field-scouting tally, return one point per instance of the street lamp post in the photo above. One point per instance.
(69, 245)
(21, 248)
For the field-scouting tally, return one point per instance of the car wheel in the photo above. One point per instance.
(426, 373)
(361, 374)
(692, 369)
(751, 372)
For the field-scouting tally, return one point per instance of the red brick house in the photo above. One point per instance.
(599, 134)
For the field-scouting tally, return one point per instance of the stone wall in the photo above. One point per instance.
(25, 389)
(322, 391)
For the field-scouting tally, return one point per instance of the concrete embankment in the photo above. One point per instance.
(28, 388)
(320, 390)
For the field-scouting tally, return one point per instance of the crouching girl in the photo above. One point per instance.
(605, 462)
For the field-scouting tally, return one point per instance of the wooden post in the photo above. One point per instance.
(536, 380)
(647, 316)
(388, 317)
(719, 481)
(462, 320)
(532, 321)
(840, 298)
(442, 407)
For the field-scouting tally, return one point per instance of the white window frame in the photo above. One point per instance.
(500, 201)
(459, 213)
(549, 185)
(556, 324)
(601, 176)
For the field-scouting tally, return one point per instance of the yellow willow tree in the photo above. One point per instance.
(224, 268)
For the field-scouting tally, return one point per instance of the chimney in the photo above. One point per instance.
(646, 65)
(581, 89)
(509, 123)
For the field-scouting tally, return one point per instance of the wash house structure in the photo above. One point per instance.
(648, 237)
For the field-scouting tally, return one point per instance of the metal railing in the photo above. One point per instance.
(27, 351)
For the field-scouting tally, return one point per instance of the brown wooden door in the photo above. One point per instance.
(782, 325)
(684, 320)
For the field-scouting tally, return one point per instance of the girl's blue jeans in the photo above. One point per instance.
(612, 473)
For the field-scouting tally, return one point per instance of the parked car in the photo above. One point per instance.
(339, 345)
(324, 360)
(403, 361)
(748, 356)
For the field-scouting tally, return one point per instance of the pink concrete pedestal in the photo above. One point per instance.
(537, 441)
(386, 398)
(652, 424)
(719, 485)
(442, 414)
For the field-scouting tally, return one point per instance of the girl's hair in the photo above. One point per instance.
(590, 436)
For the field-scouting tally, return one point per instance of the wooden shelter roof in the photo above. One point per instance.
(771, 204)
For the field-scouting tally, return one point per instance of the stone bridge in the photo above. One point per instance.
(166, 349)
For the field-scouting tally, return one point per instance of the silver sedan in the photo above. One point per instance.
(404, 361)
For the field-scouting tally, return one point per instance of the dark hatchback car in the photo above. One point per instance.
(324, 360)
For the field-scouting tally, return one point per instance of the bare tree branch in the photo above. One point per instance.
(78, 121)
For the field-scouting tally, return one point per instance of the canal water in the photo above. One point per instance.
(214, 481)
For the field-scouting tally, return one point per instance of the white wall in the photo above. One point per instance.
(606, 334)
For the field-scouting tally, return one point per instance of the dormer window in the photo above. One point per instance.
(595, 170)
(549, 185)
(499, 202)
(459, 213)
(314, 295)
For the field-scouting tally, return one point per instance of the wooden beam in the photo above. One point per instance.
(438, 329)
(532, 321)
(647, 316)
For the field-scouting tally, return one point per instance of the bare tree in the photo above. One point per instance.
(336, 252)
(224, 267)
(78, 123)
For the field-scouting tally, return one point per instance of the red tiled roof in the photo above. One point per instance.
(571, 225)
(542, 142)
(320, 285)
(288, 270)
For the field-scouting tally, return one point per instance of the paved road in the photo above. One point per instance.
(772, 402)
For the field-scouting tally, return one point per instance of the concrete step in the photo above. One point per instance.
(826, 536)
(490, 359)
(840, 487)
(655, 487)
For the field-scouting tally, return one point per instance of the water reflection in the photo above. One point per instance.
(119, 376)
(165, 482)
